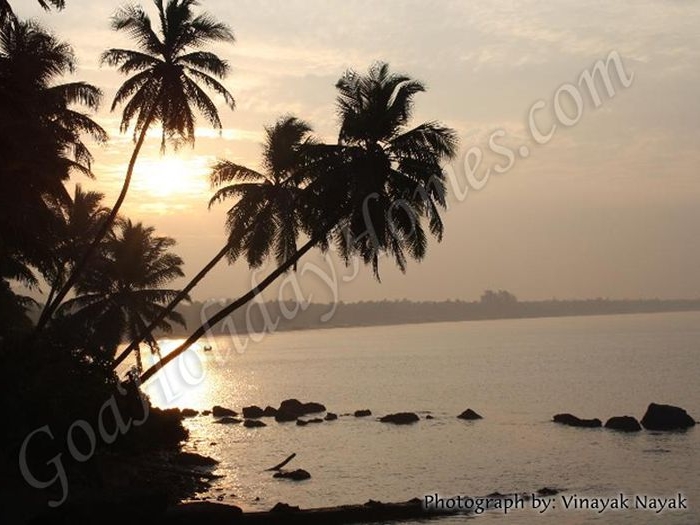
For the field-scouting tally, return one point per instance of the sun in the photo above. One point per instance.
(171, 176)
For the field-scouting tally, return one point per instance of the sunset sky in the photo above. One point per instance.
(609, 207)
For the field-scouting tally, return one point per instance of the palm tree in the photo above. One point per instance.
(396, 178)
(40, 140)
(370, 192)
(121, 291)
(81, 219)
(167, 70)
(266, 218)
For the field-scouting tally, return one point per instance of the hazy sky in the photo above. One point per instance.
(608, 207)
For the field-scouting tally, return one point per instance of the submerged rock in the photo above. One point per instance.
(228, 420)
(666, 417)
(295, 475)
(573, 421)
(623, 423)
(331, 416)
(188, 412)
(253, 423)
(363, 413)
(400, 418)
(303, 422)
(469, 415)
(219, 411)
(429, 417)
(253, 412)
(548, 491)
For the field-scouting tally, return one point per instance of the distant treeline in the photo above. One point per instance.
(492, 305)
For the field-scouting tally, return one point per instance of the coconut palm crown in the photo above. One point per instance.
(167, 69)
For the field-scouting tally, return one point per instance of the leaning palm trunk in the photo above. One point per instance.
(50, 307)
(184, 293)
(226, 311)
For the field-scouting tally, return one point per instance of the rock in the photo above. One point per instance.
(269, 411)
(331, 416)
(291, 406)
(400, 418)
(469, 415)
(192, 459)
(623, 423)
(302, 423)
(283, 507)
(295, 475)
(283, 417)
(253, 412)
(573, 421)
(188, 412)
(313, 407)
(548, 491)
(218, 411)
(291, 409)
(206, 412)
(429, 417)
(666, 417)
(228, 420)
(253, 423)
(162, 429)
(363, 413)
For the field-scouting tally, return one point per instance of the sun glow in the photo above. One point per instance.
(172, 176)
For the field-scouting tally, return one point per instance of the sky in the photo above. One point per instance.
(606, 207)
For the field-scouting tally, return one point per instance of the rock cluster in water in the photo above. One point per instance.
(657, 417)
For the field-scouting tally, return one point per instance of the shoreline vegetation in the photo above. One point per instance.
(257, 316)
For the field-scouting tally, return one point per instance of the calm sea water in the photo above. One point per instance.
(516, 373)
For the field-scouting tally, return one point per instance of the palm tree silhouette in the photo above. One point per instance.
(266, 218)
(394, 178)
(372, 191)
(122, 289)
(81, 219)
(166, 70)
(41, 142)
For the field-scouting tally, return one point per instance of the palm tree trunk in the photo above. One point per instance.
(50, 308)
(52, 293)
(225, 312)
(147, 331)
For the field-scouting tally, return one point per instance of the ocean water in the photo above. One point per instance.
(515, 373)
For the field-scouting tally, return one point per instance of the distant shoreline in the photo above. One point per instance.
(259, 317)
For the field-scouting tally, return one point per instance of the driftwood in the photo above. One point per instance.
(279, 467)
